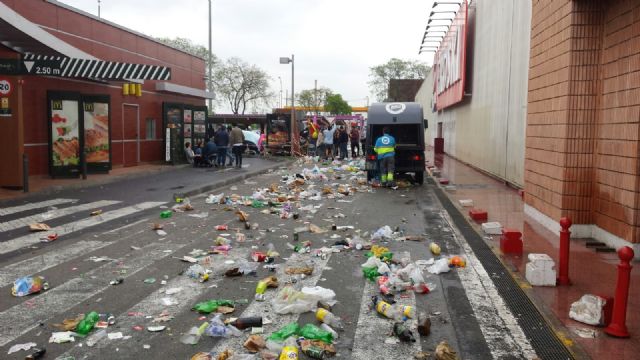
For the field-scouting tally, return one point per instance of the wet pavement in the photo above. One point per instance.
(590, 272)
(463, 305)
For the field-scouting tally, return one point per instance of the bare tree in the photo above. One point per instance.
(394, 69)
(241, 85)
(314, 98)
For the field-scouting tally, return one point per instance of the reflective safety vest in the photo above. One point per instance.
(385, 146)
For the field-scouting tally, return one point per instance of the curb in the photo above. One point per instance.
(239, 177)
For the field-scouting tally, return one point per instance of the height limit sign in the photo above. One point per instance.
(5, 91)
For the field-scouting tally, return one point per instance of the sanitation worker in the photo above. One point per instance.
(385, 147)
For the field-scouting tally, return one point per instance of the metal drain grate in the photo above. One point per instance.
(542, 338)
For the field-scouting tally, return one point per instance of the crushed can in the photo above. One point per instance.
(222, 227)
(258, 256)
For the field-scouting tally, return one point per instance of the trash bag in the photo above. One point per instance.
(29, 285)
(440, 266)
(589, 310)
(290, 301)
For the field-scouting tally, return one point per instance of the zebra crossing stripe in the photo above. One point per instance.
(98, 69)
(53, 214)
(36, 205)
(152, 305)
(25, 316)
(40, 263)
(31, 239)
(257, 308)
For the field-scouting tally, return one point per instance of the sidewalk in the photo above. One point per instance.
(44, 183)
(590, 272)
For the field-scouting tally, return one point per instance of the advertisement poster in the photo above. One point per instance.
(199, 115)
(187, 116)
(65, 133)
(187, 131)
(96, 132)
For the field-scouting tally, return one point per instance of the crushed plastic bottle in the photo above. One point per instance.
(285, 332)
(29, 285)
(312, 332)
(86, 325)
(166, 214)
(96, 338)
(210, 306)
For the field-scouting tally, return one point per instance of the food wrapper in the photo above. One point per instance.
(29, 285)
(39, 227)
(242, 216)
(69, 324)
(306, 270)
(445, 352)
(255, 343)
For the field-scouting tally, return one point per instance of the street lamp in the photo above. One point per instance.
(295, 146)
(210, 64)
(280, 103)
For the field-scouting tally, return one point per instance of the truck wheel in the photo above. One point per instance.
(420, 177)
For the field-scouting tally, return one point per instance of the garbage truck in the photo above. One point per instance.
(406, 124)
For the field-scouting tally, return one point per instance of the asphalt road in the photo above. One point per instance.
(463, 307)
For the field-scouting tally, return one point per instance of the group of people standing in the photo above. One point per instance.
(333, 141)
(215, 151)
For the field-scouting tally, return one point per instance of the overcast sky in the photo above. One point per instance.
(334, 41)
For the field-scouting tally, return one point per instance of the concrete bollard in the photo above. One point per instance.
(617, 327)
(563, 261)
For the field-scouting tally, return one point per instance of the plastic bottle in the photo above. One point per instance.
(95, 338)
(260, 290)
(312, 332)
(166, 214)
(328, 318)
(403, 333)
(386, 309)
(211, 305)
(328, 328)
(285, 332)
(86, 325)
(289, 350)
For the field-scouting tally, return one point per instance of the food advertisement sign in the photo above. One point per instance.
(96, 133)
(65, 132)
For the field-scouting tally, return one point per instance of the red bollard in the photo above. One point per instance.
(617, 326)
(563, 267)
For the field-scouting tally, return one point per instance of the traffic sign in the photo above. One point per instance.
(5, 87)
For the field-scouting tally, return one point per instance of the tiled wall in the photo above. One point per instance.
(583, 114)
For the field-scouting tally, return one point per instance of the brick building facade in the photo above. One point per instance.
(582, 156)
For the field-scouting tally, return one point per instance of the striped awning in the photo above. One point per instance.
(62, 66)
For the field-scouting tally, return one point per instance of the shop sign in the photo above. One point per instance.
(450, 62)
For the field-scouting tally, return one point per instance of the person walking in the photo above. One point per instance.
(354, 136)
(236, 138)
(343, 142)
(222, 142)
(386, 149)
(328, 141)
(320, 143)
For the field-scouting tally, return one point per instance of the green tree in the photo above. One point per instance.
(337, 106)
(200, 51)
(314, 97)
(241, 85)
(380, 75)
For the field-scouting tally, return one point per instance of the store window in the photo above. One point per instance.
(151, 128)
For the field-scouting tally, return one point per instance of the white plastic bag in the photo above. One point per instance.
(384, 232)
(588, 310)
(440, 266)
(320, 293)
(290, 301)
(214, 199)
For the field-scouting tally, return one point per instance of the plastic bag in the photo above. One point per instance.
(29, 285)
(384, 232)
(440, 266)
(290, 301)
(320, 293)
(589, 310)
(214, 199)
(217, 328)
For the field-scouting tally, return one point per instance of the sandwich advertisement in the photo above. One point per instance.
(96, 132)
(78, 124)
(65, 133)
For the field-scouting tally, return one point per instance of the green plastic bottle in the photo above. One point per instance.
(166, 214)
(370, 273)
(312, 332)
(86, 325)
(210, 306)
(287, 331)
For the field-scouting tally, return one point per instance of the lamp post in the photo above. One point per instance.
(210, 64)
(295, 145)
(280, 103)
